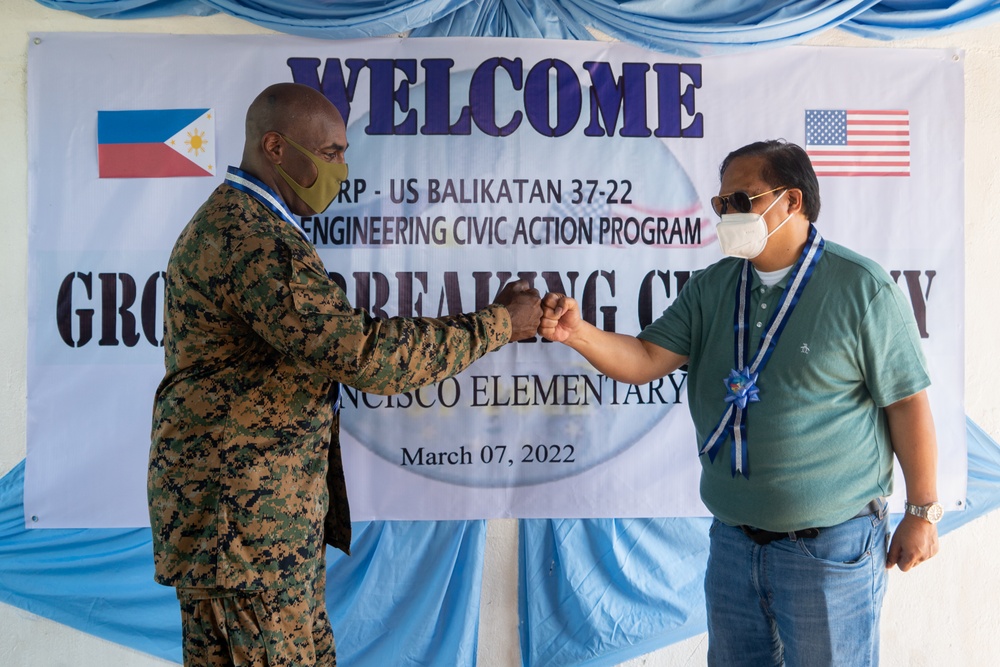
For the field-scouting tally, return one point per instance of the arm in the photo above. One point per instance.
(620, 357)
(281, 290)
(911, 428)
(415, 352)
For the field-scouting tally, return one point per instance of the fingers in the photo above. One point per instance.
(559, 317)
(915, 541)
(892, 558)
(522, 286)
(525, 315)
(519, 289)
(524, 306)
(553, 305)
(553, 316)
(906, 560)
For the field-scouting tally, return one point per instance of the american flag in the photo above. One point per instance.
(858, 142)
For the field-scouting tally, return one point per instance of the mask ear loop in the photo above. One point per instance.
(780, 225)
(770, 233)
(776, 200)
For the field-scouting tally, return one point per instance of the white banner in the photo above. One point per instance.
(584, 167)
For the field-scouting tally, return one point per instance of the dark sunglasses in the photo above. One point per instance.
(740, 201)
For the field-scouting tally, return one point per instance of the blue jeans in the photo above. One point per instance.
(805, 602)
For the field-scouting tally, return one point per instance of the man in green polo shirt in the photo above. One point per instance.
(805, 378)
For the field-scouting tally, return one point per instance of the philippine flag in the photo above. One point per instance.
(156, 143)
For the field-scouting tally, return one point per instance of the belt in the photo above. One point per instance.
(763, 537)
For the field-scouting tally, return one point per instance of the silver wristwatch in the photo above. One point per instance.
(932, 512)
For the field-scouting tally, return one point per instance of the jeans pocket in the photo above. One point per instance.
(849, 543)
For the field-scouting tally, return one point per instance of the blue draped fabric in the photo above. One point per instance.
(695, 28)
(329, 19)
(594, 593)
(408, 595)
(546, 19)
(915, 18)
(683, 27)
(131, 9)
(96, 580)
(339, 19)
(602, 591)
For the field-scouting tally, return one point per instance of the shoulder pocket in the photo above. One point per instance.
(313, 293)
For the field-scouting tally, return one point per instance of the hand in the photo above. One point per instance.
(560, 317)
(915, 541)
(523, 304)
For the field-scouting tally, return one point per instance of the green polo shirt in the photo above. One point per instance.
(819, 446)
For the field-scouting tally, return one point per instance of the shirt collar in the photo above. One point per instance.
(256, 188)
(757, 282)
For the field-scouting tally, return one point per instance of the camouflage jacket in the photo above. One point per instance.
(256, 335)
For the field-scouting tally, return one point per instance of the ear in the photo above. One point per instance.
(272, 147)
(793, 197)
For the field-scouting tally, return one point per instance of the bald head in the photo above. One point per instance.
(285, 107)
(303, 115)
(288, 108)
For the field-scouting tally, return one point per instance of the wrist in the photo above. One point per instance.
(931, 512)
(578, 338)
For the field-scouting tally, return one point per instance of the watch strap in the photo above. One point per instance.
(931, 512)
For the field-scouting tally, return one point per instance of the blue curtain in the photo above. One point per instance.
(407, 596)
(598, 592)
(592, 593)
(132, 9)
(694, 28)
(543, 19)
(683, 27)
(602, 591)
(915, 18)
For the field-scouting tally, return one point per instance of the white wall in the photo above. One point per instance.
(943, 613)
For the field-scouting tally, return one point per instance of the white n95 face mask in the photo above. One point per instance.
(745, 235)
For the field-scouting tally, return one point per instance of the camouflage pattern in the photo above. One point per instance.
(280, 627)
(256, 334)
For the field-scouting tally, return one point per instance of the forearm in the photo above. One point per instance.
(911, 429)
(407, 353)
(296, 309)
(623, 358)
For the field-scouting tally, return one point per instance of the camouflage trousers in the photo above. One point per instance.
(270, 628)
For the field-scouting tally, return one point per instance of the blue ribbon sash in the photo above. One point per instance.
(741, 384)
(257, 189)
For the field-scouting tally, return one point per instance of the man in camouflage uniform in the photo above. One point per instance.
(245, 430)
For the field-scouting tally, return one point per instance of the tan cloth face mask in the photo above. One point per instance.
(329, 176)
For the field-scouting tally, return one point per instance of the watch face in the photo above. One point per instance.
(934, 512)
